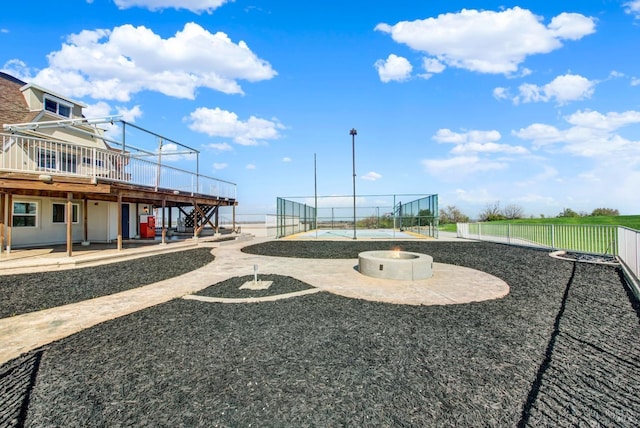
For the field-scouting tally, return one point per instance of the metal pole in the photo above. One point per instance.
(353, 134)
(315, 190)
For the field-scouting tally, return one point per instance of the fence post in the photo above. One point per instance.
(553, 238)
(509, 233)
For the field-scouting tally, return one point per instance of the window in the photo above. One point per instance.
(89, 161)
(25, 214)
(59, 211)
(46, 159)
(68, 162)
(58, 161)
(58, 107)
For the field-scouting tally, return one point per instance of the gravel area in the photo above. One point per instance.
(561, 349)
(30, 292)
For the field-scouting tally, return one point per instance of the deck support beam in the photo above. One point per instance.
(2, 220)
(164, 224)
(119, 221)
(69, 224)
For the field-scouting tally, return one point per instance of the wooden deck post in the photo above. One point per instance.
(164, 224)
(119, 221)
(69, 224)
(2, 208)
(85, 209)
(195, 219)
(216, 221)
(9, 221)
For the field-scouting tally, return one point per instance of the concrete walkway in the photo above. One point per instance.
(22, 333)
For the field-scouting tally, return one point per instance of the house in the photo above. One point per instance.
(64, 180)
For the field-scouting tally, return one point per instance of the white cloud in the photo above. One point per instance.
(102, 109)
(476, 142)
(459, 166)
(196, 6)
(129, 114)
(18, 69)
(635, 81)
(467, 148)
(445, 135)
(218, 166)
(501, 93)
(633, 8)
(610, 122)
(394, 68)
(221, 147)
(371, 176)
(4, 30)
(591, 134)
(488, 41)
(462, 149)
(286, 159)
(114, 64)
(562, 89)
(475, 196)
(99, 109)
(571, 26)
(250, 166)
(432, 65)
(548, 173)
(222, 123)
(172, 152)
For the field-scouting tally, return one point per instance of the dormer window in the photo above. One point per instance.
(56, 106)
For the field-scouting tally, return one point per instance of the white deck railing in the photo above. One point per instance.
(629, 249)
(37, 156)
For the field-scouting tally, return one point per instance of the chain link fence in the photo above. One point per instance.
(303, 214)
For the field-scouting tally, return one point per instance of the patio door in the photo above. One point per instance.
(125, 221)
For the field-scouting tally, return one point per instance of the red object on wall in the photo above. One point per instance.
(147, 226)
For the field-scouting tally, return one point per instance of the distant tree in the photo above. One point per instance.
(425, 217)
(385, 221)
(605, 211)
(491, 212)
(512, 212)
(452, 215)
(370, 222)
(568, 212)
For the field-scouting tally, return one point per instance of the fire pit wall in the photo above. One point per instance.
(398, 265)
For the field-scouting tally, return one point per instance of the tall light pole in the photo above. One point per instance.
(353, 134)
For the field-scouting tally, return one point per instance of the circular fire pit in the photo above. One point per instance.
(395, 264)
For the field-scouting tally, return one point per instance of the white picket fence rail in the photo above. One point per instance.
(622, 242)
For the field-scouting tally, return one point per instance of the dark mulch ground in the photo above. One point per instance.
(36, 291)
(561, 349)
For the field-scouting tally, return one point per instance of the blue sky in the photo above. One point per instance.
(530, 103)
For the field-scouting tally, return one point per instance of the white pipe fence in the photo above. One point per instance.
(592, 239)
(629, 249)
